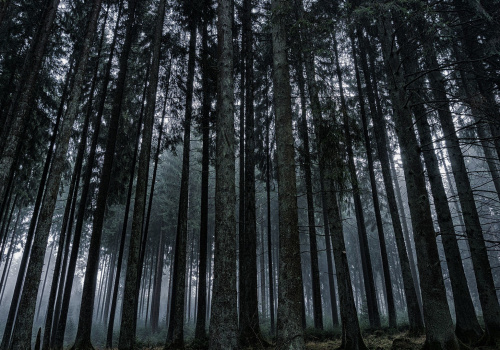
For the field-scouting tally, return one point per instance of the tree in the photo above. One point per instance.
(175, 335)
(132, 279)
(83, 340)
(249, 330)
(224, 316)
(21, 335)
(439, 326)
(290, 302)
(409, 284)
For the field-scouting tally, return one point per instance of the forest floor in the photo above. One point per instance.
(375, 341)
(382, 339)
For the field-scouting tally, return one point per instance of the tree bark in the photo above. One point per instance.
(132, 276)
(404, 251)
(200, 331)
(249, 330)
(391, 308)
(479, 254)
(369, 283)
(83, 340)
(224, 314)
(21, 337)
(290, 303)
(439, 325)
(175, 335)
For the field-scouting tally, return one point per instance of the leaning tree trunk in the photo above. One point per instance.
(409, 283)
(21, 337)
(366, 264)
(290, 303)
(391, 308)
(467, 326)
(83, 340)
(437, 317)
(479, 255)
(224, 314)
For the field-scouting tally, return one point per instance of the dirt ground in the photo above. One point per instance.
(377, 341)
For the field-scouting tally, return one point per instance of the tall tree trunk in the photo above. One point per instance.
(10, 253)
(132, 276)
(404, 251)
(61, 318)
(289, 328)
(21, 337)
(369, 283)
(391, 308)
(479, 255)
(114, 299)
(65, 235)
(249, 330)
(224, 314)
(351, 333)
(439, 325)
(268, 207)
(200, 331)
(155, 303)
(175, 334)
(313, 245)
(40, 302)
(83, 340)
(34, 219)
(467, 326)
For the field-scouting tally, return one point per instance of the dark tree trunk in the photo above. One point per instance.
(410, 286)
(40, 302)
(439, 325)
(269, 226)
(479, 254)
(200, 331)
(329, 165)
(369, 283)
(249, 330)
(467, 326)
(289, 327)
(175, 335)
(134, 263)
(88, 295)
(114, 299)
(21, 337)
(391, 308)
(306, 165)
(224, 314)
